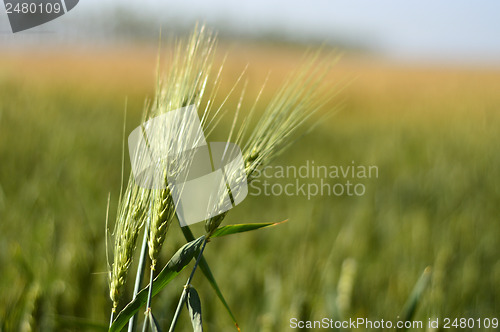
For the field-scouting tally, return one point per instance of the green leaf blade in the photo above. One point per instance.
(241, 228)
(413, 301)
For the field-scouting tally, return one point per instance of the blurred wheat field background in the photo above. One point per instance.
(432, 133)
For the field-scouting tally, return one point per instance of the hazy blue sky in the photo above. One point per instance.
(426, 29)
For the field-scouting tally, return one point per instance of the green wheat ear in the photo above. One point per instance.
(164, 211)
(303, 95)
(185, 84)
(130, 218)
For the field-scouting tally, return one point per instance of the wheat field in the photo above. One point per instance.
(432, 132)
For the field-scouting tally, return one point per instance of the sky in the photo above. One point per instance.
(446, 30)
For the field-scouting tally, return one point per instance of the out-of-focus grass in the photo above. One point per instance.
(433, 133)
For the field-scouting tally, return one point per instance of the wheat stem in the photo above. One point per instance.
(139, 276)
(150, 295)
(112, 316)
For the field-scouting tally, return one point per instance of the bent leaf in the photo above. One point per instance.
(154, 323)
(174, 266)
(194, 305)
